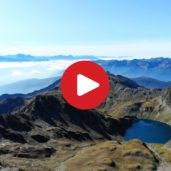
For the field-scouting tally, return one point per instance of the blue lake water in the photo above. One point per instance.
(149, 131)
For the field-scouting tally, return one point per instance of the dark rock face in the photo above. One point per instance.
(15, 122)
(40, 137)
(11, 104)
(13, 136)
(34, 152)
(58, 132)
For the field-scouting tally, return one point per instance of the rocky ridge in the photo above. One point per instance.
(61, 137)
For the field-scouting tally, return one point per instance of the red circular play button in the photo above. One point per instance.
(85, 85)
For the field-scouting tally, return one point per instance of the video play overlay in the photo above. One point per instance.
(85, 85)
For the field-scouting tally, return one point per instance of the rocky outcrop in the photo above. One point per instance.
(58, 132)
(40, 137)
(27, 151)
(11, 135)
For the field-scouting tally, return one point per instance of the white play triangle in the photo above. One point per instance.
(85, 85)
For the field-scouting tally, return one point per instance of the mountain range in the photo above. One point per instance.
(157, 68)
(150, 73)
(27, 58)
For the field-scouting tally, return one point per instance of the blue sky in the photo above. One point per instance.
(113, 28)
(86, 27)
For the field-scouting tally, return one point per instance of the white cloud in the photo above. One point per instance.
(16, 73)
(27, 70)
(35, 72)
(60, 65)
(16, 64)
(50, 65)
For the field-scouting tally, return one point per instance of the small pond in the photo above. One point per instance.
(149, 131)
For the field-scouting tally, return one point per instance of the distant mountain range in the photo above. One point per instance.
(26, 86)
(27, 58)
(157, 68)
(151, 82)
(150, 73)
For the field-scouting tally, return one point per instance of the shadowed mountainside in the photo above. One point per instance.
(9, 105)
(151, 83)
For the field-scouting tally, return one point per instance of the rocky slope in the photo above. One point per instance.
(126, 97)
(50, 114)
(141, 103)
(48, 134)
